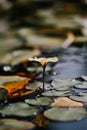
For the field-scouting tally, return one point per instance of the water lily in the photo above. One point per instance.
(44, 61)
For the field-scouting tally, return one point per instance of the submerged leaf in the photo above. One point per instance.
(3, 94)
(65, 114)
(66, 102)
(18, 109)
(42, 101)
(41, 120)
(13, 124)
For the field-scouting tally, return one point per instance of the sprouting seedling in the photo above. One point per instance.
(44, 61)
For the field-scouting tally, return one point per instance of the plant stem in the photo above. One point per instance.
(44, 78)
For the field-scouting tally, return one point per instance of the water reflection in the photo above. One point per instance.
(73, 63)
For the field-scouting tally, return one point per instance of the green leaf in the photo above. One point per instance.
(8, 124)
(83, 85)
(65, 114)
(84, 77)
(19, 109)
(42, 101)
(64, 84)
(55, 93)
(6, 79)
(3, 94)
(79, 98)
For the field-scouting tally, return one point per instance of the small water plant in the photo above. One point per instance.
(43, 62)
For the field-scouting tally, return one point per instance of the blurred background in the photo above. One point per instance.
(30, 28)
(42, 22)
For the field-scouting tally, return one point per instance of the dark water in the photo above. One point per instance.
(72, 63)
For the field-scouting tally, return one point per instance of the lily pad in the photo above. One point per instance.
(42, 101)
(5, 79)
(55, 93)
(84, 77)
(79, 98)
(65, 102)
(63, 84)
(18, 109)
(3, 94)
(83, 85)
(8, 124)
(46, 42)
(65, 114)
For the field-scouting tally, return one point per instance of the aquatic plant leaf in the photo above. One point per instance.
(19, 55)
(17, 88)
(46, 42)
(83, 85)
(3, 94)
(65, 102)
(4, 79)
(64, 83)
(65, 114)
(55, 93)
(14, 124)
(18, 109)
(84, 77)
(41, 101)
(79, 98)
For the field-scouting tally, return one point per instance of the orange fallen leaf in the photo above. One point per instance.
(66, 102)
(18, 88)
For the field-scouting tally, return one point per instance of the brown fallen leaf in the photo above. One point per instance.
(41, 120)
(17, 88)
(66, 102)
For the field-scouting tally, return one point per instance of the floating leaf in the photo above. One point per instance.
(84, 77)
(83, 85)
(13, 124)
(4, 79)
(65, 102)
(19, 55)
(79, 98)
(46, 42)
(63, 84)
(55, 93)
(18, 109)
(3, 94)
(65, 114)
(18, 88)
(42, 101)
